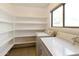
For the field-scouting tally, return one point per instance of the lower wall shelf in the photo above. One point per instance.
(6, 51)
(24, 35)
(5, 48)
(25, 42)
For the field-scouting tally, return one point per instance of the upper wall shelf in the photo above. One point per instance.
(24, 22)
(33, 17)
(30, 29)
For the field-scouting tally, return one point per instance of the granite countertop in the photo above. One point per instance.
(60, 47)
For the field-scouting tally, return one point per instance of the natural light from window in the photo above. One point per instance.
(71, 15)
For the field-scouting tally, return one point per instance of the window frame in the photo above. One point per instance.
(63, 22)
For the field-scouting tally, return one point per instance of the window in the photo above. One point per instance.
(71, 15)
(57, 16)
(65, 15)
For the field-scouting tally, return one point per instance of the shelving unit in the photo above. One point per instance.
(6, 32)
(27, 24)
(27, 27)
(32, 24)
(21, 28)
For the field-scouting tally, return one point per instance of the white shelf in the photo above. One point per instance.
(4, 42)
(5, 21)
(33, 17)
(5, 31)
(6, 50)
(24, 35)
(24, 22)
(31, 29)
(25, 42)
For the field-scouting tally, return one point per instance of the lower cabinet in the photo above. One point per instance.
(42, 49)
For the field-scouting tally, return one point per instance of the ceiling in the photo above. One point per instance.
(30, 4)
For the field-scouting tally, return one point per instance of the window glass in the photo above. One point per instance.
(71, 15)
(58, 17)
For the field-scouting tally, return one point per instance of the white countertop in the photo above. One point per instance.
(41, 34)
(60, 47)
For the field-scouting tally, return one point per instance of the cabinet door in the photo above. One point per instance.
(41, 48)
(45, 51)
(38, 49)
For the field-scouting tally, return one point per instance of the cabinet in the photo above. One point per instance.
(41, 48)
